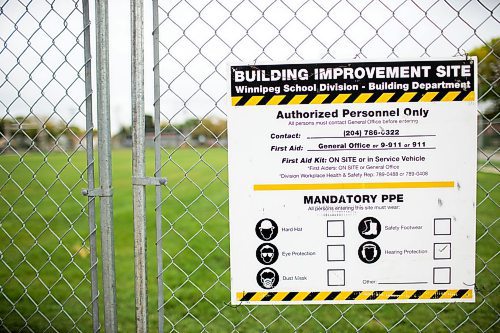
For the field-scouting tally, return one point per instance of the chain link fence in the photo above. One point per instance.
(48, 262)
(48, 257)
(194, 41)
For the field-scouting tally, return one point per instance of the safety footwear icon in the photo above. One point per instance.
(369, 228)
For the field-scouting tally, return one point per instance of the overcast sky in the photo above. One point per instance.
(199, 38)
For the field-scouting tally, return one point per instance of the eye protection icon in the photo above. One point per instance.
(267, 254)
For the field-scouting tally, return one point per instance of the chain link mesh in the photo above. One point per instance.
(45, 271)
(196, 41)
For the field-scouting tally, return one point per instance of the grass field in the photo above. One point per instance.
(44, 261)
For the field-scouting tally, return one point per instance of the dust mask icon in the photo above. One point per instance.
(267, 278)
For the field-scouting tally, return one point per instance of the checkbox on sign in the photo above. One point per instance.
(442, 251)
(335, 253)
(336, 277)
(442, 275)
(442, 226)
(335, 228)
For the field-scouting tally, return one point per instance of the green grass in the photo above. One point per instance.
(196, 255)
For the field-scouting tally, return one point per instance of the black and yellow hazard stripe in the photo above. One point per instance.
(443, 294)
(337, 98)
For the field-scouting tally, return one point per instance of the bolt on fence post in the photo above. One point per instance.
(104, 140)
(138, 163)
(90, 168)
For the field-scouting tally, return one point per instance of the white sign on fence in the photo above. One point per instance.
(353, 182)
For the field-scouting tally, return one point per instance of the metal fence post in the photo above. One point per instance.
(90, 169)
(158, 211)
(104, 139)
(138, 163)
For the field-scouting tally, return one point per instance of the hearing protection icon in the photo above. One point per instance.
(369, 252)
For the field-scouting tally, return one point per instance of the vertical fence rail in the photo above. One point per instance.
(89, 136)
(138, 164)
(105, 182)
(193, 43)
(158, 189)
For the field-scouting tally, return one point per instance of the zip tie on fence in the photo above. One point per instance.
(145, 181)
(233, 306)
(465, 54)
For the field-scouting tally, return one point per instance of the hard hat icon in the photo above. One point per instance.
(266, 224)
(266, 229)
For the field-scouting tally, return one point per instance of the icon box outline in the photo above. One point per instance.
(441, 275)
(340, 255)
(442, 251)
(340, 278)
(335, 228)
(442, 226)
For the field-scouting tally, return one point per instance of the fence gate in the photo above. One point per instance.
(193, 41)
(48, 233)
